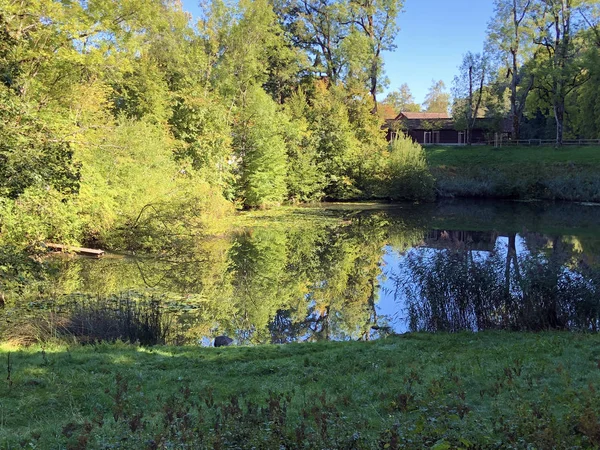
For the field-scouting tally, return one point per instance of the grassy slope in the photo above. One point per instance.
(490, 157)
(570, 173)
(460, 389)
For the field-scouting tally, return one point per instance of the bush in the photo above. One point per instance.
(38, 215)
(17, 271)
(407, 172)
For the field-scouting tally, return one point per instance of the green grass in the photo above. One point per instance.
(487, 390)
(569, 173)
(478, 156)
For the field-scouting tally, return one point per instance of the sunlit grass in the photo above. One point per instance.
(464, 382)
(489, 156)
(569, 173)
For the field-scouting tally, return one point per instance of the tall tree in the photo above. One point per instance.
(437, 99)
(559, 67)
(510, 39)
(377, 21)
(584, 104)
(590, 12)
(469, 90)
(260, 148)
(318, 27)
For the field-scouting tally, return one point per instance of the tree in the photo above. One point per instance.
(30, 154)
(317, 26)
(469, 90)
(305, 177)
(199, 123)
(590, 12)
(559, 67)
(402, 100)
(585, 101)
(260, 149)
(377, 21)
(510, 39)
(437, 99)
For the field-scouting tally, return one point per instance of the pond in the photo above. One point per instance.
(350, 272)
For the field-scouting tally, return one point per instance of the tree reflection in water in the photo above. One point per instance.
(319, 280)
(548, 284)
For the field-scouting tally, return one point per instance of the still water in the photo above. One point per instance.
(359, 272)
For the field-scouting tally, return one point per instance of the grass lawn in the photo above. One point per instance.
(487, 390)
(569, 173)
(460, 157)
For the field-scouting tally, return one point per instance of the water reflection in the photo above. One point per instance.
(529, 281)
(373, 270)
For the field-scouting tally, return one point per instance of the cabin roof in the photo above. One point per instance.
(423, 116)
(441, 121)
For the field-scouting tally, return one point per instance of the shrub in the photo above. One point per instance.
(409, 177)
(17, 270)
(451, 291)
(36, 216)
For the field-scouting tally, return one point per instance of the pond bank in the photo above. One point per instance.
(412, 391)
(544, 173)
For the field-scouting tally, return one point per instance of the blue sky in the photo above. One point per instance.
(434, 35)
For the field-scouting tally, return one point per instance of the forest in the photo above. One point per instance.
(123, 119)
(125, 123)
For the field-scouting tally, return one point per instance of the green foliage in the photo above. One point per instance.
(337, 146)
(201, 124)
(260, 147)
(402, 100)
(305, 177)
(437, 99)
(585, 104)
(542, 50)
(123, 124)
(17, 271)
(142, 93)
(39, 215)
(409, 175)
(31, 155)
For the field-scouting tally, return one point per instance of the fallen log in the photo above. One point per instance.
(78, 250)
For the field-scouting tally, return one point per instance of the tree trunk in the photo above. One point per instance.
(470, 107)
(516, 119)
(374, 73)
(559, 115)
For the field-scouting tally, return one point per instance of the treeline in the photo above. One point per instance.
(540, 68)
(123, 120)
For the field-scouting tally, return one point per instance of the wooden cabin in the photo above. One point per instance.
(440, 129)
